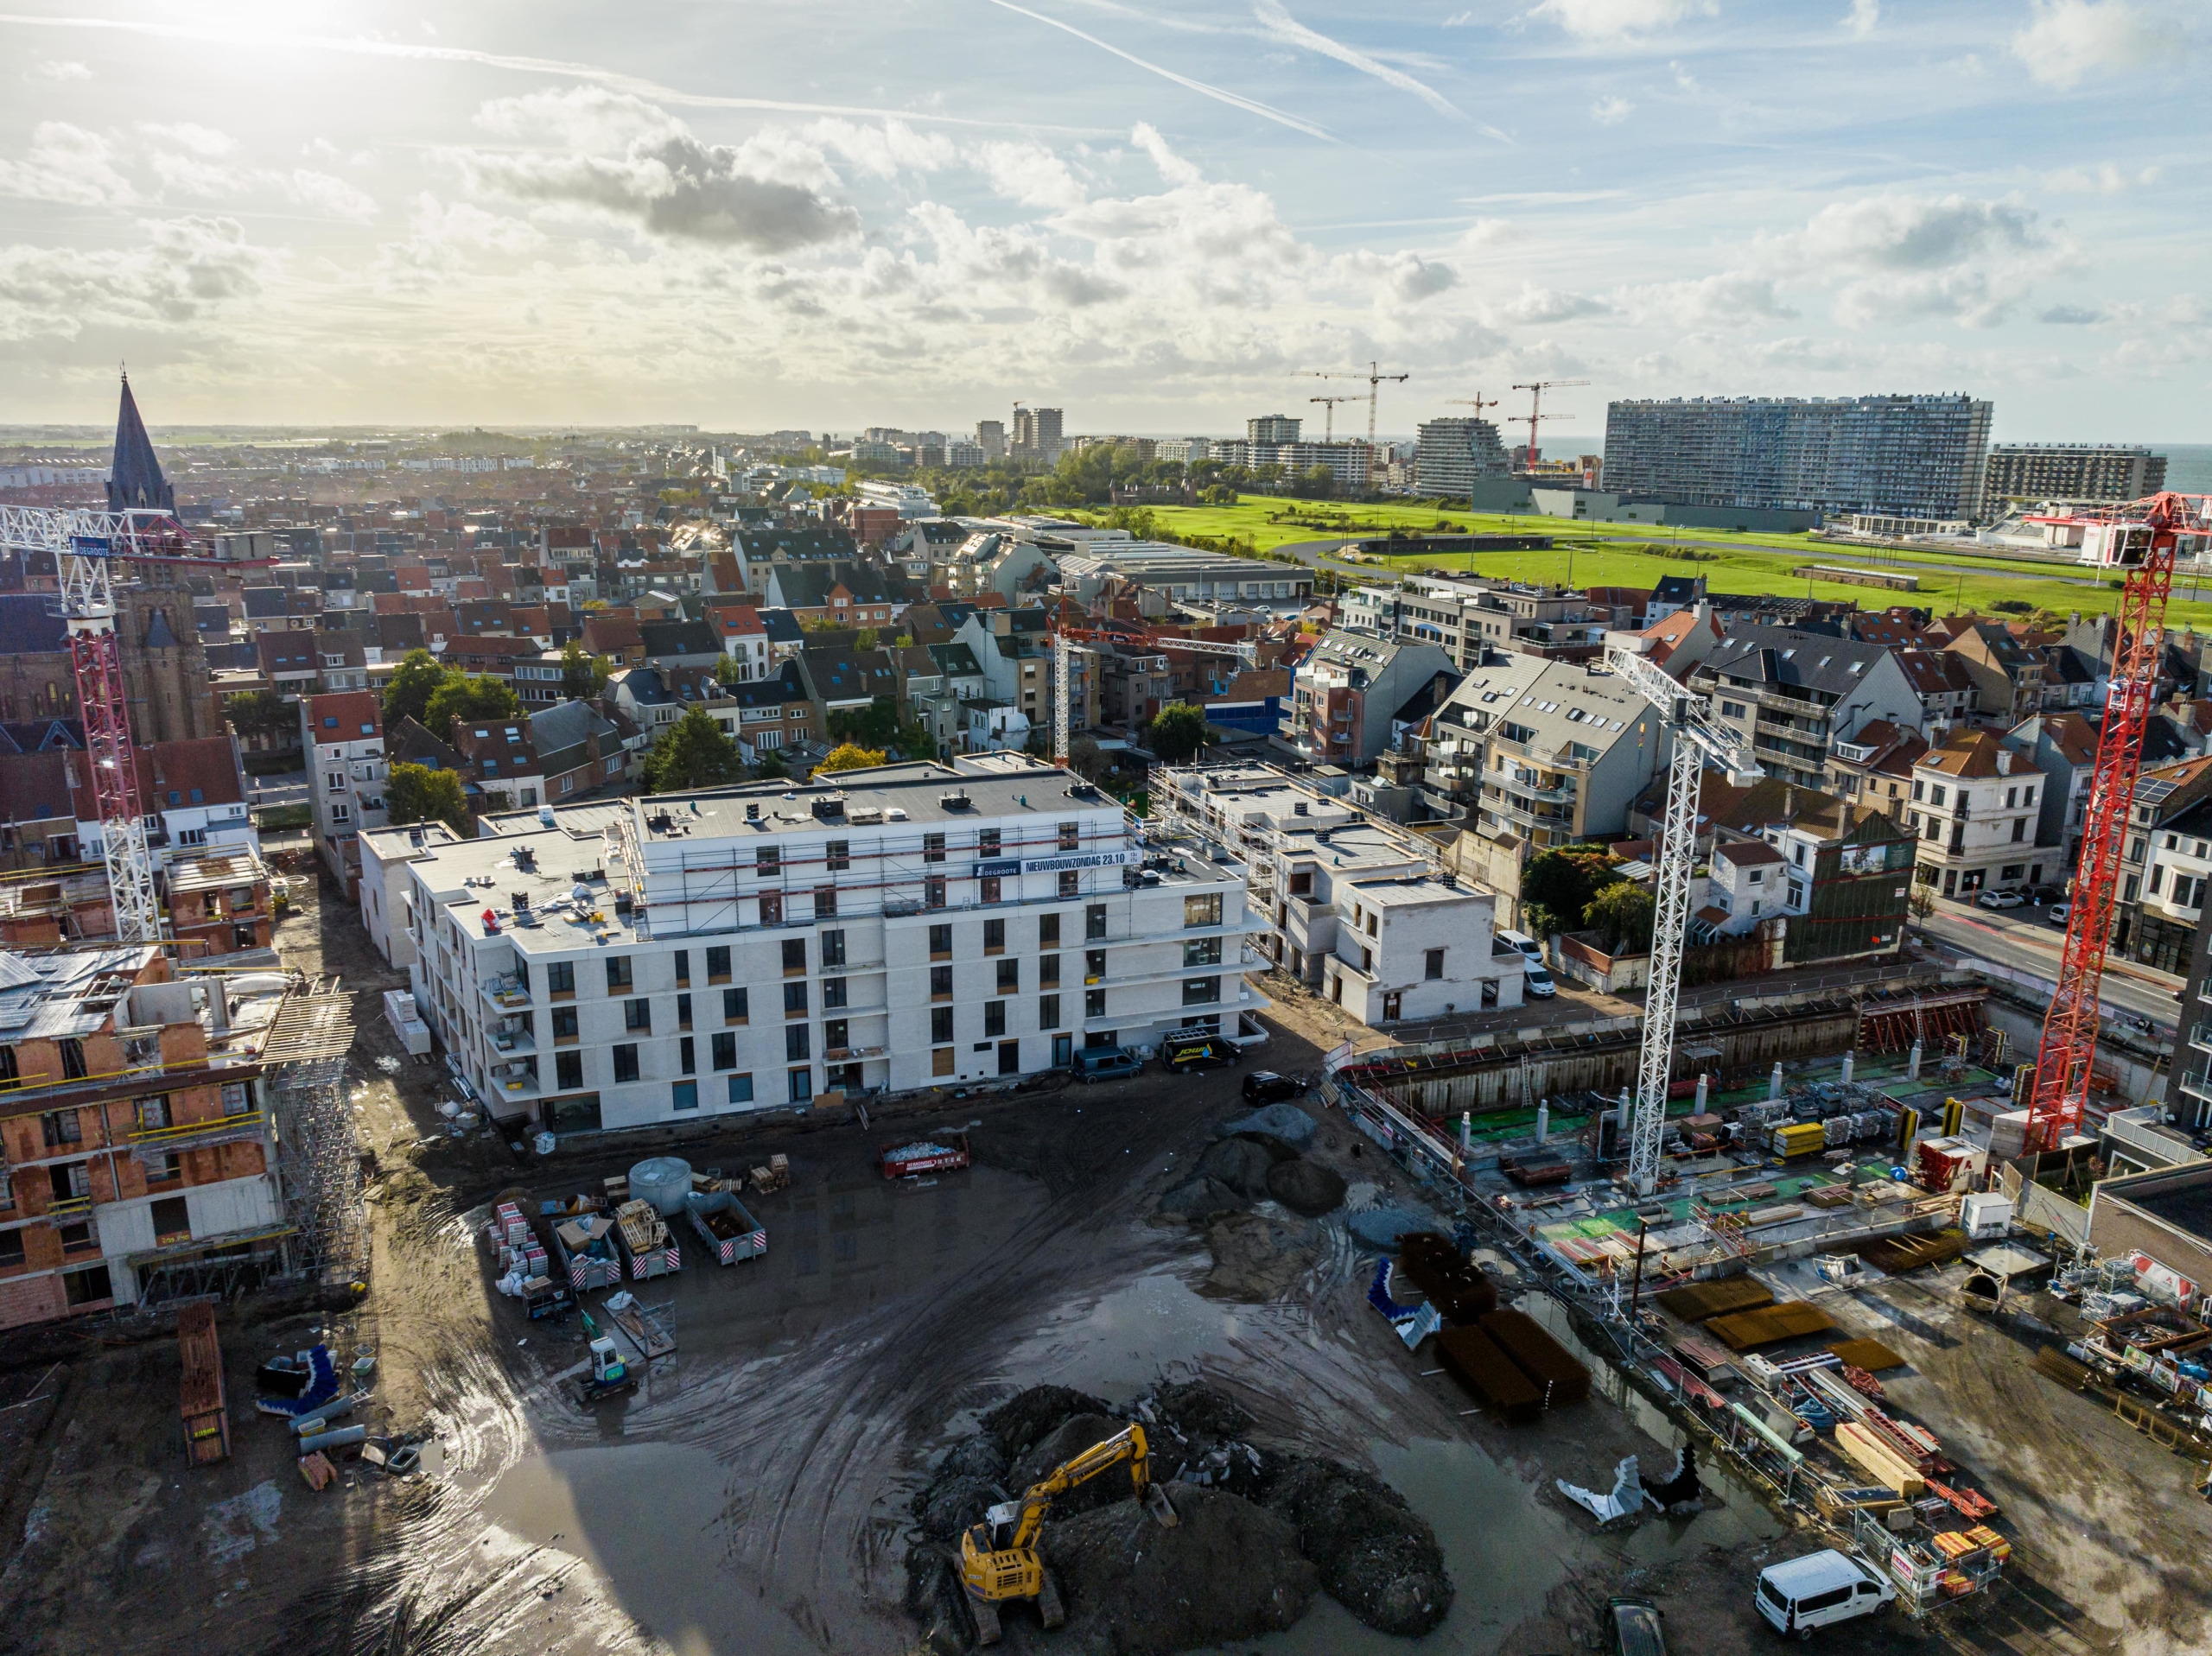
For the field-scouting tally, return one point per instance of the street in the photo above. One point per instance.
(2025, 940)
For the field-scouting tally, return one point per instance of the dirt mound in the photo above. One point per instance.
(1240, 1163)
(1229, 1570)
(950, 1505)
(1025, 1418)
(1306, 1188)
(1199, 1200)
(1196, 1410)
(1064, 1443)
(1256, 1259)
(1378, 1557)
(1285, 1122)
(980, 1457)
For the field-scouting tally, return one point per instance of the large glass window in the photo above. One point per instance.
(833, 949)
(740, 1088)
(797, 1038)
(1093, 923)
(618, 974)
(686, 1094)
(637, 1017)
(794, 999)
(724, 1052)
(801, 1082)
(718, 964)
(735, 1009)
(1202, 910)
(625, 1063)
(995, 1017)
(561, 977)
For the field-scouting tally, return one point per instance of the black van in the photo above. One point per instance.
(1198, 1050)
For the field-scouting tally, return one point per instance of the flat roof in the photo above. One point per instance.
(2181, 1196)
(1413, 890)
(920, 791)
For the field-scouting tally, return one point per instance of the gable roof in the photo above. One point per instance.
(663, 639)
(1789, 656)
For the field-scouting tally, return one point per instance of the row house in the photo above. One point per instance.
(1789, 695)
(1347, 695)
(2164, 866)
(1974, 807)
(1873, 767)
(2063, 747)
(343, 736)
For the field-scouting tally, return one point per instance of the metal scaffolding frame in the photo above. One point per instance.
(318, 1156)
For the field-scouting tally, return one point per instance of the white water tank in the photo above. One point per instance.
(664, 1181)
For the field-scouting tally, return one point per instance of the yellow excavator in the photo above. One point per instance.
(998, 1557)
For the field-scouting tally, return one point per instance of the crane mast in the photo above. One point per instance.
(2068, 1050)
(1697, 742)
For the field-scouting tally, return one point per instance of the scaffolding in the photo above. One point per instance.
(318, 1158)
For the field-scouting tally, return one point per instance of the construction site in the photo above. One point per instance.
(1749, 1314)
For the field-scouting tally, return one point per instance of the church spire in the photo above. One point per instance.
(135, 478)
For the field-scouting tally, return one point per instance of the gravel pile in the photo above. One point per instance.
(1377, 1557)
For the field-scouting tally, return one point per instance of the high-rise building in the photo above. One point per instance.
(1453, 452)
(2070, 472)
(1049, 440)
(1904, 456)
(1037, 432)
(990, 437)
(1272, 428)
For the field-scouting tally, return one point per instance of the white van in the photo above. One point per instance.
(1524, 942)
(1818, 1590)
(1536, 979)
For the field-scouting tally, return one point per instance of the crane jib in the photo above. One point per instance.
(90, 545)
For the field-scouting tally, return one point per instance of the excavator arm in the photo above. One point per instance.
(1127, 1444)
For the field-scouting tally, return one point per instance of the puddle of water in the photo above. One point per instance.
(645, 1517)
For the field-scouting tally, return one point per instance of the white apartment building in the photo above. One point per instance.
(1321, 873)
(1974, 808)
(750, 948)
(386, 854)
(343, 735)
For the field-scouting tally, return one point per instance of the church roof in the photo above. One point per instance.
(135, 478)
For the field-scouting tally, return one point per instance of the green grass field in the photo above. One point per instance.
(1597, 554)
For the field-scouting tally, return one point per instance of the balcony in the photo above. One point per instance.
(506, 993)
(513, 1041)
(2200, 1037)
(69, 1205)
(515, 1080)
(222, 1129)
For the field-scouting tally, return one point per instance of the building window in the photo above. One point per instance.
(625, 1063)
(1203, 911)
(61, 1127)
(1071, 836)
(618, 974)
(772, 907)
(801, 1084)
(1201, 992)
(1202, 951)
(687, 1056)
(683, 967)
(794, 955)
(1048, 1012)
(684, 1012)
(637, 1017)
(837, 855)
(1093, 923)
(994, 936)
(740, 1088)
(1094, 1003)
(941, 1061)
(735, 1009)
(932, 847)
(1048, 932)
(1434, 965)
(940, 943)
(1048, 970)
(940, 983)
(685, 1094)
(987, 843)
(836, 1035)
(561, 977)
(153, 1114)
(825, 901)
(718, 964)
(769, 863)
(933, 893)
(794, 999)
(797, 1037)
(567, 1070)
(940, 1024)
(993, 889)
(724, 1052)
(833, 949)
(993, 1017)
(1009, 977)
(73, 1058)
(2019, 829)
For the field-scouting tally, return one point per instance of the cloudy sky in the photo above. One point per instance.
(1163, 218)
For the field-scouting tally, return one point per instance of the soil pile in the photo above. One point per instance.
(1062, 1443)
(1378, 1559)
(1241, 1163)
(1256, 1159)
(1229, 1571)
(1022, 1419)
(1306, 1188)
(1287, 1122)
(1256, 1259)
(1200, 1199)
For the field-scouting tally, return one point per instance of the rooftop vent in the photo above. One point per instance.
(954, 802)
(660, 822)
(753, 813)
(830, 806)
(1298, 809)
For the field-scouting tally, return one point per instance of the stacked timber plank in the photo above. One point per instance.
(206, 1414)
(1768, 1325)
(1866, 1449)
(1697, 1302)
(1555, 1370)
(1456, 1286)
(1489, 1375)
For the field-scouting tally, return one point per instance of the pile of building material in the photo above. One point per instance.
(1700, 1302)
(1767, 1325)
(1488, 1375)
(1453, 1284)
(1899, 1255)
(646, 1243)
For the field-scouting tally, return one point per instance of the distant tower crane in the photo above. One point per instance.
(1375, 377)
(1329, 421)
(140, 527)
(1537, 389)
(1477, 403)
(2146, 535)
(1698, 742)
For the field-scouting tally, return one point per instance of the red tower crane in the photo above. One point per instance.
(2146, 535)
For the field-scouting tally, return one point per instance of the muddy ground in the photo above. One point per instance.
(752, 1497)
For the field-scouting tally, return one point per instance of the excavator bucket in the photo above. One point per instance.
(1162, 1510)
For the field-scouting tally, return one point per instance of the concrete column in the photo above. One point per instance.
(1774, 1082)
(1466, 1130)
(1703, 1082)
(1848, 1059)
(1543, 1120)
(1912, 1063)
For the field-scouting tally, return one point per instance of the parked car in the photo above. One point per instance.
(1819, 1590)
(1265, 1086)
(1106, 1063)
(1632, 1627)
(1537, 979)
(1523, 942)
(2000, 899)
(2059, 913)
(2046, 894)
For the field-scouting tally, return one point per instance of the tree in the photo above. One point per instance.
(728, 669)
(583, 675)
(848, 757)
(1086, 758)
(1922, 903)
(471, 698)
(1622, 914)
(408, 695)
(1562, 881)
(1179, 730)
(864, 639)
(415, 793)
(691, 753)
(262, 713)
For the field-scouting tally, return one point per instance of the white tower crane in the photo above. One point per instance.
(1698, 742)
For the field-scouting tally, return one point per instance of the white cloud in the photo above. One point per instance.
(190, 136)
(1536, 307)
(1611, 111)
(2066, 40)
(62, 69)
(2106, 180)
(189, 269)
(1728, 299)
(443, 237)
(67, 163)
(1902, 232)
(885, 150)
(1614, 20)
(1028, 174)
(664, 181)
(333, 197)
(1863, 16)
(193, 175)
(2071, 316)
